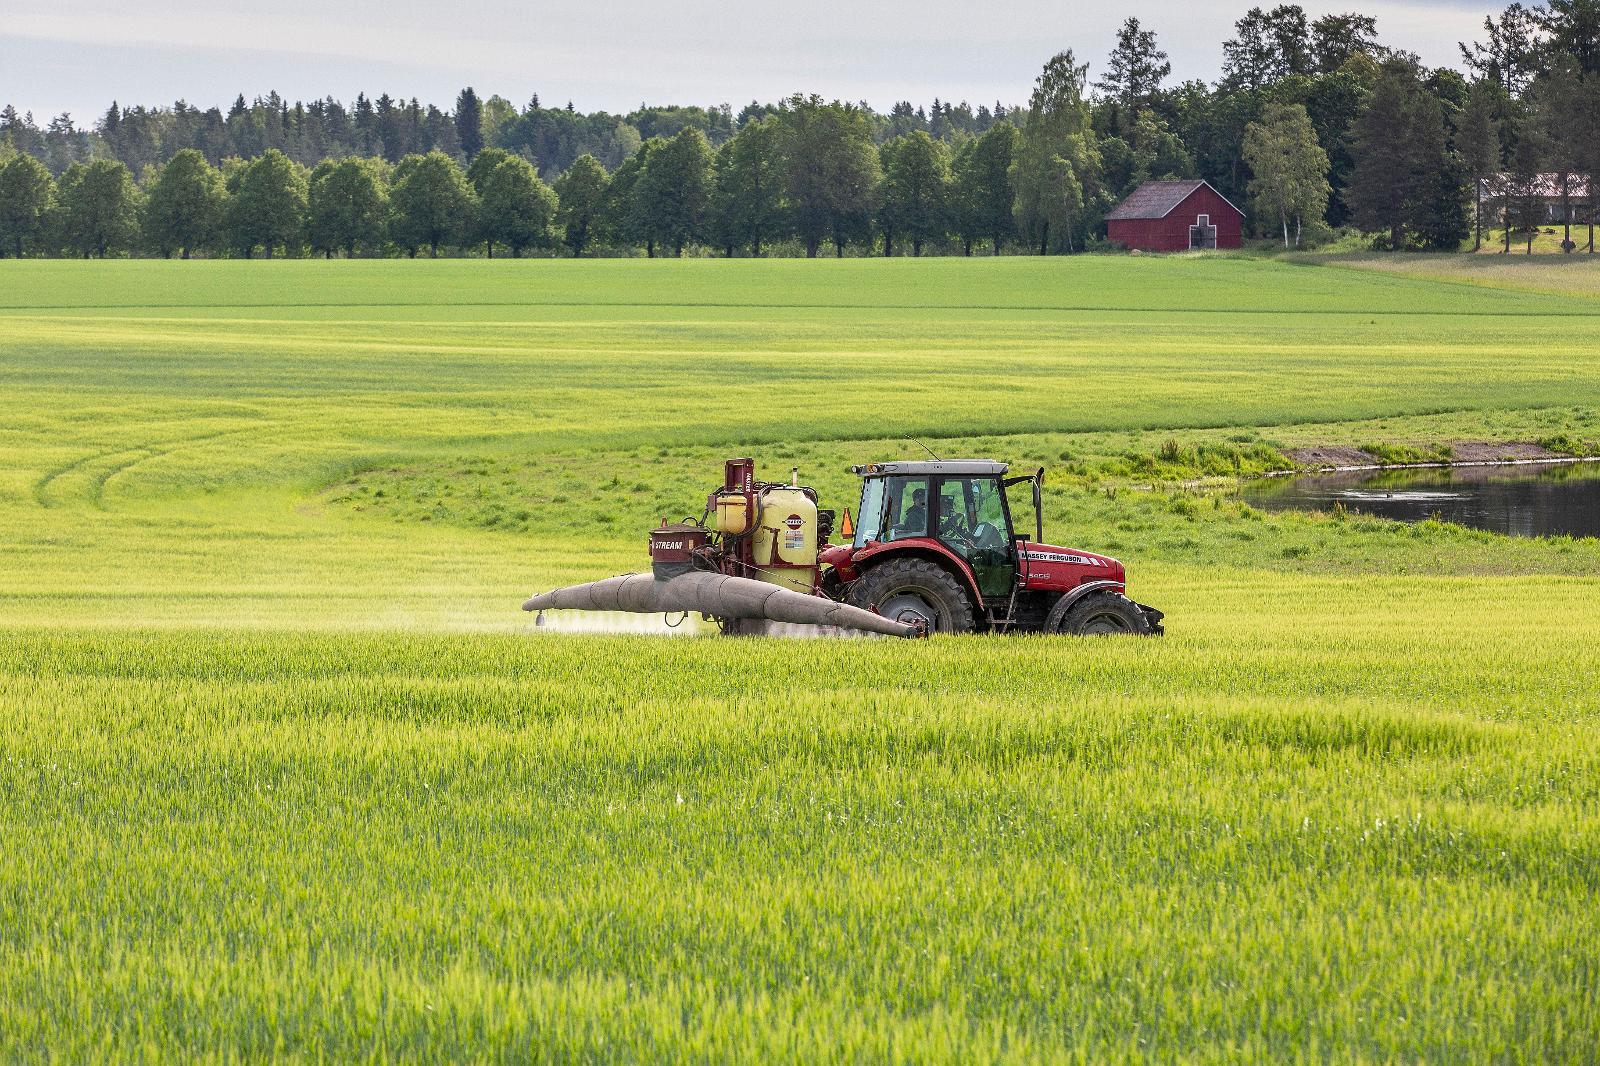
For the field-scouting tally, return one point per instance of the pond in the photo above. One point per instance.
(1530, 500)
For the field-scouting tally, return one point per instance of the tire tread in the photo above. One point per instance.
(897, 575)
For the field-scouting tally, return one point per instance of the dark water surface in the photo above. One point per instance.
(1533, 500)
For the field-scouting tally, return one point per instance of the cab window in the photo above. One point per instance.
(892, 508)
(955, 506)
(908, 508)
(972, 511)
(869, 519)
(990, 505)
(972, 522)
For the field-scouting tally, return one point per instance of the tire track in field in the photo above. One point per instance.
(47, 494)
(42, 485)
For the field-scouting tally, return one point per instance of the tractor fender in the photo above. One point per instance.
(1064, 603)
(922, 548)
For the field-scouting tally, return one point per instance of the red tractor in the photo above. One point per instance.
(935, 542)
(934, 551)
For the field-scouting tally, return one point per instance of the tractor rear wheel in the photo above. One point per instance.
(908, 589)
(1099, 614)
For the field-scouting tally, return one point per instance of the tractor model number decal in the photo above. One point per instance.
(1061, 557)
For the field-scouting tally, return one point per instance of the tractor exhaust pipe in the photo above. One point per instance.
(717, 595)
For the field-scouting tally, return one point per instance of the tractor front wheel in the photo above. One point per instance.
(910, 589)
(1099, 614)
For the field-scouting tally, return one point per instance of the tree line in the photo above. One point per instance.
(1313, 125)
(808, 176)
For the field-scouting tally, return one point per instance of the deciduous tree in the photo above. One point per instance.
(623, 218)
(1269, 46)
(581, 196)
(515, 208)
(1290, 167)
(984, 194)
(1147, 150)
(27, 196)
(1056, 163)
(477, 176)
(482, 164)
(674, 193)
(432, 203)
(185, 205)
(831, 170)
(915, 191)
(748, 201)
(267, 204)
(1336, 39)
(348, 205)
(98, 208)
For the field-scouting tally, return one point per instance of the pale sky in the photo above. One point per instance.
(78, 55)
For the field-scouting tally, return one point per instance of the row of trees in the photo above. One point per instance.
(809, 174)
(1313, 123)
(272, 205)
(391, 129)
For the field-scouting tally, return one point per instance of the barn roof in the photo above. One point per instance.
(1158, 199)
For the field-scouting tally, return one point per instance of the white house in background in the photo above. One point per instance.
(1547, 188)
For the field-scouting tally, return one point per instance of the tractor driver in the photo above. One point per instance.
(914, 520)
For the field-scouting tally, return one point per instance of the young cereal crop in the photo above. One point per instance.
(287, 775)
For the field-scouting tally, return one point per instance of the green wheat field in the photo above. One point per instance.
(286, 774)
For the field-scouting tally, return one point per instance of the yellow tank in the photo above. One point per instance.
(733, 514)
(786, 538)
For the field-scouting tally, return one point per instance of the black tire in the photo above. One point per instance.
(897, 588)
(1099, 614)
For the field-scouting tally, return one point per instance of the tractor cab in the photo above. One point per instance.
(935, 542)
(961, 505)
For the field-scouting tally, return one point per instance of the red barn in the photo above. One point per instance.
(1174, 216)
